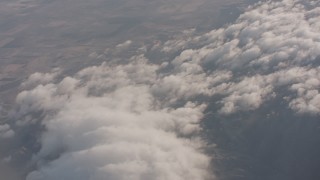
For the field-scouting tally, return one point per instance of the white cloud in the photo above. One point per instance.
(124, 45)
(106, 122)
(248, 94)
(133, 121)
(307, 92)
(40, 78)
(6, 131)
(270, 40)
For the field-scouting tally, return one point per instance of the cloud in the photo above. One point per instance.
(107, 122)
(138, 120)
(124, 45)
(248, 94)
(269, 40)
(6, 131)
(307, 93)
(40, 78)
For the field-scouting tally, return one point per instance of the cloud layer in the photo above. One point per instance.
(108, 122)
(138, 120)
(272, 45)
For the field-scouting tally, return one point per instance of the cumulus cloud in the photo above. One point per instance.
(40, 78)
(6, 131)
(248, 94)
(307, 92)
(124, 45)
(269, 39)
(107, 122)
(139, 120)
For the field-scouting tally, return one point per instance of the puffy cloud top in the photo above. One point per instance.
(108, 122)
(6, 131)
(267, 44)
(141, 120)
